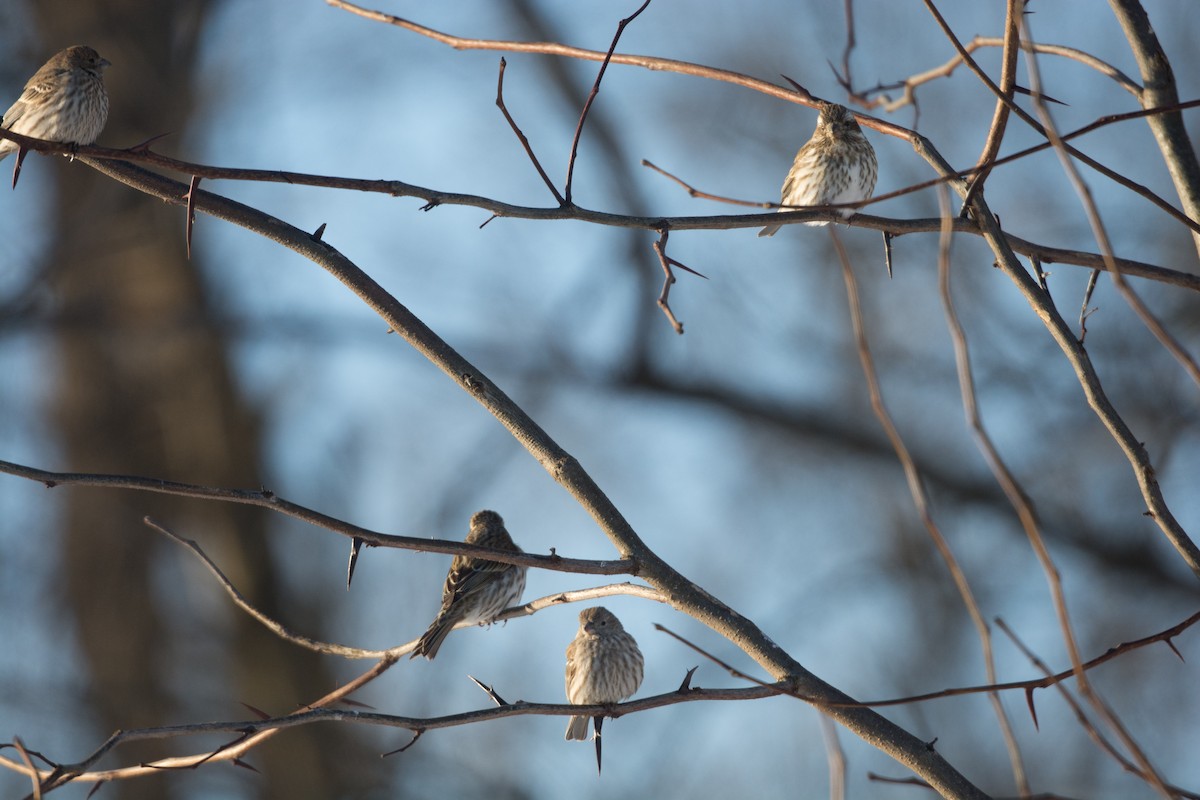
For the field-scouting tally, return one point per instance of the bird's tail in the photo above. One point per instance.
(432, 639)
(577, 729)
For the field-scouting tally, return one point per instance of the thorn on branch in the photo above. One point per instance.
(416, 735)
(496, 698)
(1022, 90)
(237, 762)
(887, 252)
(1171, 645)
(21, 153)
(346, 701)
(686, 685)
(660, 248)
(355, 546)
(724, 665)
(1084, 312)
(800, 90)
(191, 213)
(319, 232)
(1036, 263)
(255, 711)
(143, 148)
(597, 722)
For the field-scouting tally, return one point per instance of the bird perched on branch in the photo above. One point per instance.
(837, 165)
(476, 590)
(604, 665)
(64, 101)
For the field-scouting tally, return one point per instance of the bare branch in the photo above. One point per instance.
(525, 610)
(685, 595)
(1100, 232)
(1132, 447)
(947, 69)
(1148, 775)
(1169, 130)
(264, 498)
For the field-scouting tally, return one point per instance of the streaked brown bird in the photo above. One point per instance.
(64, 101)
(837, 165)
(476, 590)
(604, 665)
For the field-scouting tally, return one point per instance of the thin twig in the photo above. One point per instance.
(1033, 123)
(1008, 483)
(660, 249)
(725, 665)
(917, 488)
(434, 198)
(1100, 233)
(835, 755)
(1149, 776)
(240, 600)
(1131, 446)
(844, 79)
(1177, 147)
(261, 730)
(1008, 84)
(264, 498)
(521, 136)
(1029, 686)
(951, 175)
(34, 777)
(566, 51)
(910, 84)
(525, 610)
(64, 774)
(587, 106)
(257, 730)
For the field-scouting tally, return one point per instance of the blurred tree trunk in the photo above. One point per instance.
(145, 387)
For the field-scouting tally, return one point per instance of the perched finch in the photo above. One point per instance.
(64, 101)
(476, 590)
(604, 665)
(837, 165)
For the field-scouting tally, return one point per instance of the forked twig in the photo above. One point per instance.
(660, 249)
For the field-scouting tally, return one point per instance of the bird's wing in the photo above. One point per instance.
(468, 576)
